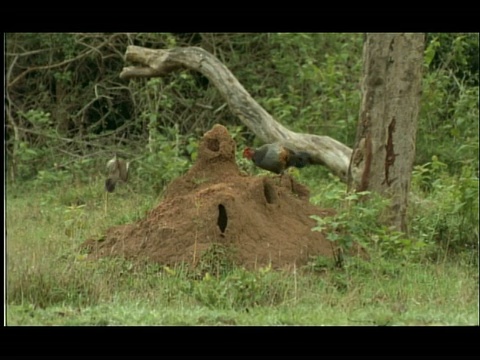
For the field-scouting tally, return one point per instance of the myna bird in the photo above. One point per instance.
(117, 170)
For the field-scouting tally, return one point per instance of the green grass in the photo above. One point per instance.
(50, 283)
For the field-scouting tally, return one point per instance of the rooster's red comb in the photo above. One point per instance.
(248, 153)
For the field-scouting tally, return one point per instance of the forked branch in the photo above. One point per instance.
(155, 63)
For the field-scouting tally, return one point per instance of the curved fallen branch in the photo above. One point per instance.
(156, 63)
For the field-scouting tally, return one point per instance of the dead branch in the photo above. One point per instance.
(156, 63)
(90, 50)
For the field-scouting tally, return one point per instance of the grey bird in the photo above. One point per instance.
(117, 170)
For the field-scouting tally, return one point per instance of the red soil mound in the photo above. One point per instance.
(263, 220)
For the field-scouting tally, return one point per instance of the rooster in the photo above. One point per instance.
(277, 158)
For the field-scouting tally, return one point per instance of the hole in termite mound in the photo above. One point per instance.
(213, 144)
(270, 193)
(222, 218)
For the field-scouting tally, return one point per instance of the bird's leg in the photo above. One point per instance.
(106, 203)
(291, 183)
(279, 178)
(289, 177)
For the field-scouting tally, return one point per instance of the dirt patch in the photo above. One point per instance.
(261, 219)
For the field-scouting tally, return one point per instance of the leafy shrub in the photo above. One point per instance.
(242, 289)
(446, 214)
(448, 121)
(360, 219)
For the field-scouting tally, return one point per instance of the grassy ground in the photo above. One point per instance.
(50, 283)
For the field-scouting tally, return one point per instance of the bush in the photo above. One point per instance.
(242, 289)
(448, 122)
(359, 220)
(446, 213)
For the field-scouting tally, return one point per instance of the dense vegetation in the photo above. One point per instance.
(67, 111)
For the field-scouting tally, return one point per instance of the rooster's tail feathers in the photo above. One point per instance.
(300, 159)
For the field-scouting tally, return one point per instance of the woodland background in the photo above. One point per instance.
(67, 112)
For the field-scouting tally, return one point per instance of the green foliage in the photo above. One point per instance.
(428, 175)
(31, 155)
(68, 117)
(457, 52)
(448, 122)
(359, 220)
(52, 178)
(446, 213)
(216, 282)
(316, 89)
(74, 172)
(168, 155)
(76, 82)
(216, 260)
(50, 281)
(442, 216)
(353, 224)
(70, 102)
(37, 118)
(75, 221)
(38, 285)
(241, 289)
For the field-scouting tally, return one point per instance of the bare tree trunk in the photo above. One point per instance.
(324, 150)
(385, 145)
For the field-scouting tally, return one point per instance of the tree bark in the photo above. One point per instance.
(385, 144)
(155, 63)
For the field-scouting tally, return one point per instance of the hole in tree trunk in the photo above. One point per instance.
(222, 218)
